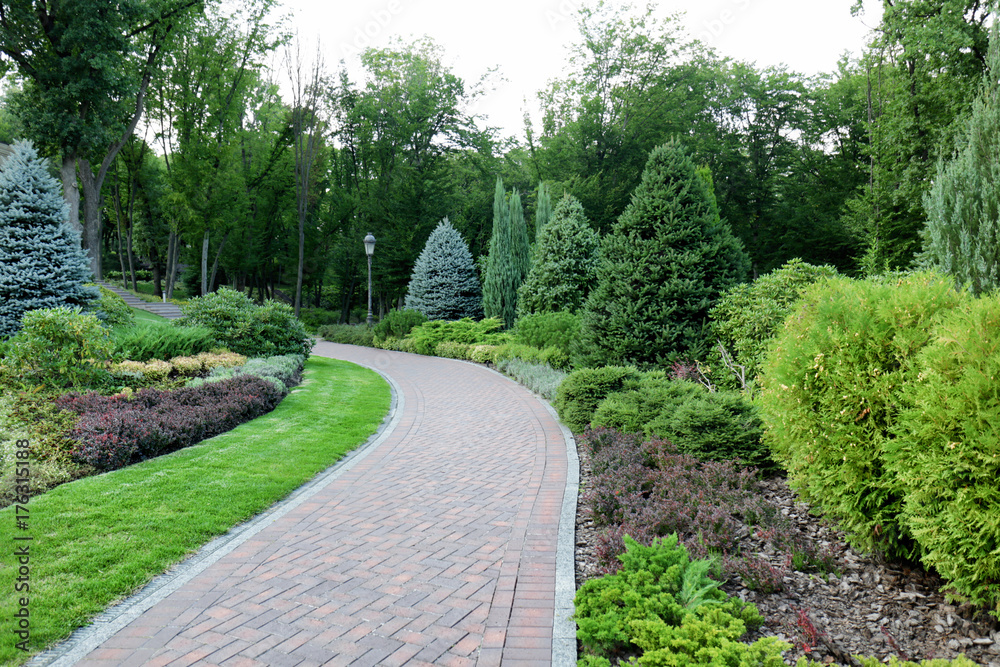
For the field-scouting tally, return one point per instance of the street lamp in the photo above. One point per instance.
(369, 250)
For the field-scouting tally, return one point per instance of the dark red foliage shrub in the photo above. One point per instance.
(648, 489)
(114, 431)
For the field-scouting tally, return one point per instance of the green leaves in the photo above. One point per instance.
(666, 260)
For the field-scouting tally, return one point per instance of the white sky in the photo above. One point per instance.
(527, 39)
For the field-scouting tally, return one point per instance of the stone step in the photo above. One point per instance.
(171, 311)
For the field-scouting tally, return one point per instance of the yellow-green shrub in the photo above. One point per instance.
(152, 371)
(831, 391)
(452, 350)
(946, 454)
(483, 353)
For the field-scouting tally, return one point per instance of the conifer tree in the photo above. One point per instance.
(509, 258)
(665, 261)
(564, 266)
(41, 262)
(444, 285)
(543, 209)
(520, 246)
(962, 234)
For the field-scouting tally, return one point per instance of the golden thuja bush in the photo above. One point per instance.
(946, 451)
(833, 384)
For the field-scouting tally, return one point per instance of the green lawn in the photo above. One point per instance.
(96, 540)
(146, 316)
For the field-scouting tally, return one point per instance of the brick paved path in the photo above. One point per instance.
(437, 546)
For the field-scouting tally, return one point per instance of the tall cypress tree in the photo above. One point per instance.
(962, 235)
(41, 262)
(543, 209)
(444, 285)
(666, 260)
(519, 244)
(510, 257)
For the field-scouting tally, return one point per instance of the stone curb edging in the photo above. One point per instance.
(85, 639)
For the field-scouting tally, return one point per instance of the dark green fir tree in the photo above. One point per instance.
(444, 285)
(564, 267)
(41, 262)
(664, 263)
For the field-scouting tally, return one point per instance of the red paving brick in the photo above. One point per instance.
(436, 548)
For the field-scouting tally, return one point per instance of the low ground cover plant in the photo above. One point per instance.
(426, 337)
(160, 340)
(647, 489)
(538, 377)
(348, 334)
(664, 609)
(283, 371)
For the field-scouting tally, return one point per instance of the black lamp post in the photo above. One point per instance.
(369, 250)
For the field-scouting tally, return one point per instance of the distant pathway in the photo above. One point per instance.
(448, 541)
(171, 311)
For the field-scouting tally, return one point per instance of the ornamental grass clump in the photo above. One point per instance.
(160, 340)
(832, 388)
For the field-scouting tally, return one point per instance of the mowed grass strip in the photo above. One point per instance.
(97, 540)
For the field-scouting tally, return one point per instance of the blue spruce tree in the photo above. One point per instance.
(41, 262)
(444, 285)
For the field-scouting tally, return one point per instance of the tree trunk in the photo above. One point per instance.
(71, 190)
(92, 216)
(157, 286)
(302, 254)
(204, 264)
(215, 264)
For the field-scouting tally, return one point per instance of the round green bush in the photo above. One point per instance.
(59, 347)
(246, 328)
(632, 410)
(542, 330)
(714, 426)
(831, 390)
(398, 323)
(748, 316)
(946, 454)
(582, 390)
(112, 309)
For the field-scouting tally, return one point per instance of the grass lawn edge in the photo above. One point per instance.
(79, 531)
